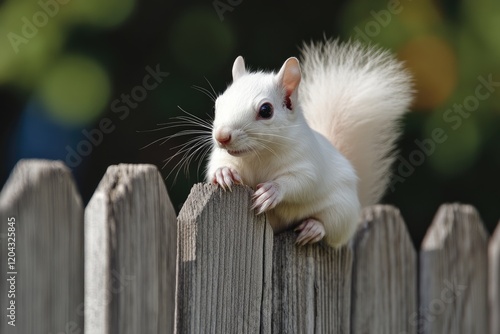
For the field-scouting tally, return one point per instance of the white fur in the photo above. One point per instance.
(356, 107)
(355, 96)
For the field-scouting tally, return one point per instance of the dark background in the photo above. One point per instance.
(70, 69)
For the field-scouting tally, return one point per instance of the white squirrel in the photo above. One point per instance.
(316, 145)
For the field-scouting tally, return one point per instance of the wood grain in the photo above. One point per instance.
(224, 264)
(130, 242)
(311, 287)
(453, 273)
(384, 288)
(47, 208)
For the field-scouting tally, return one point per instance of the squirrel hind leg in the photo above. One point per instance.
(310, 231)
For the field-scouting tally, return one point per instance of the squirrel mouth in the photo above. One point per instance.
(237, 153)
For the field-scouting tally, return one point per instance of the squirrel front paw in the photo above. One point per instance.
(267, 195)
(226, 177)
(311, 231)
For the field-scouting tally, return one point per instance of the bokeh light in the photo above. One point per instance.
(27, 47)
(433, 64)
(76, 90)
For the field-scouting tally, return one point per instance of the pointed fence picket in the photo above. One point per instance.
(453, 273)
(46, 243)
(130, 245)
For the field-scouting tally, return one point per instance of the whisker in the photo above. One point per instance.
(212, 87)
(192, 117)
(196, 146)
(202, 148)
(154, 142)
(205, 91)
(202, 157)
(188, 153)
(178, 121)
(273, 142)
(178, 166)
(196, 140)
(272, 135)
(254, 151)
(269, 149)
(178, 134)
(189, 123)
(191, 145)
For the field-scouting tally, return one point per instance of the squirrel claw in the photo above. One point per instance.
(266, 197)
(225, 177)
(311, 231)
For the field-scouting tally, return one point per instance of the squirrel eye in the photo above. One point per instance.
(266, 111)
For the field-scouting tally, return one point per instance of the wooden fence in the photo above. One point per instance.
(126, 264)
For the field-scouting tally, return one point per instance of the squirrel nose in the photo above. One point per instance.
(223, 137)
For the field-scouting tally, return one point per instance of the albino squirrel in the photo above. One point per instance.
(316, 144)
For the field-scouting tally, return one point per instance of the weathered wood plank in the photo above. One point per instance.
(42, 200)
(130, 245)
(384, 288)
(311, 287)
(224, 264)
(454, 273)
(494, 281)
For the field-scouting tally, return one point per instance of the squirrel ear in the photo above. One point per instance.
(289, 76)
(239, 68)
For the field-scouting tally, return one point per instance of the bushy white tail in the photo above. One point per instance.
(355, 96)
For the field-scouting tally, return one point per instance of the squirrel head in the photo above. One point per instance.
(257, 111)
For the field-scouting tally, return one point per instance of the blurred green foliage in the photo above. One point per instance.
(75, 90)
(79, 56)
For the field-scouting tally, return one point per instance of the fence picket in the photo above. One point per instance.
(453, 273)
(384, 288)
(42, 198)
(130, 242)
(224, 264)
